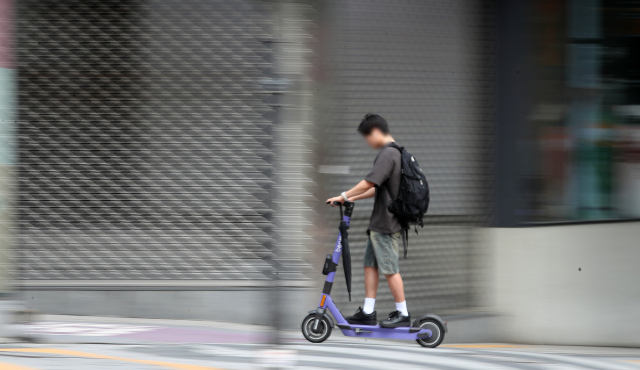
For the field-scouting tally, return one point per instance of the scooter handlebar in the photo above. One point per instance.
(335, 203)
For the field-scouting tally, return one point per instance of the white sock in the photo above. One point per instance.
(402, 307)
(369, 305)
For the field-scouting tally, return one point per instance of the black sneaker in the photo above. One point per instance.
(396, 319)
(361, 318)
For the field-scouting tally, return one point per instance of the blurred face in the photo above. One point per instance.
(376, 139)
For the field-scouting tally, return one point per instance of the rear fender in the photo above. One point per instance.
(416, 322)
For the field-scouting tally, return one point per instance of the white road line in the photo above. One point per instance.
(368, 364)
(85, 329)
(425, 359)
(316, 360)
(597, 363)
(573, 359)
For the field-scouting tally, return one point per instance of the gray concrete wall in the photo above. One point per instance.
(239, 305)
(566, 284)
(556, 285)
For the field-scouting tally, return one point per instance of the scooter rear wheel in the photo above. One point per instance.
(437, 333)
(320, 334)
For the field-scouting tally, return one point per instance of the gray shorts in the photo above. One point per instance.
(383, 252)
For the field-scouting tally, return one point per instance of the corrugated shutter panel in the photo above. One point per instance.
(423, 65)
(144, 140)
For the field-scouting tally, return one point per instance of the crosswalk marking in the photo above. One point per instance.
(362, 363)
(481, 346)
(425, 360)
(85, 329)
(496, 357)
(589, 363)
(374, 355)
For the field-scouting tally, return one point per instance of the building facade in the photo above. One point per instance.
(181, 151)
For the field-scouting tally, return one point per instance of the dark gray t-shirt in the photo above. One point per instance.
(386, 167)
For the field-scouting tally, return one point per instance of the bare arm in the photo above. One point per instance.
(362, 187)
(367, 194)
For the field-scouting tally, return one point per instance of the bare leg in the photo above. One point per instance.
(371, 279)
(396, 285)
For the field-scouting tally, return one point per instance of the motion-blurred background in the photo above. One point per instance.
(171, 158)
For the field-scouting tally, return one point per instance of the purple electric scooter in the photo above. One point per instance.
(427, 330)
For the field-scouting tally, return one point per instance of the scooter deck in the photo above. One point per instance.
(326, 302)
(377, 331)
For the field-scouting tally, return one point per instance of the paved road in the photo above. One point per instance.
(92, 343)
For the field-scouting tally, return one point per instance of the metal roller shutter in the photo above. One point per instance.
(425, 67)
(144, 140)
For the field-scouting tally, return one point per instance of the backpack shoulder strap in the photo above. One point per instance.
(405, 240)
(394, 145)
(383, 186)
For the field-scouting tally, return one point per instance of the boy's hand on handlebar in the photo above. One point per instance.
(338, 199)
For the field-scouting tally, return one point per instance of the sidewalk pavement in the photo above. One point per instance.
(103, 343)
(108, 330)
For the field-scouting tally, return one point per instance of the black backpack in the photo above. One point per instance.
(412, 201)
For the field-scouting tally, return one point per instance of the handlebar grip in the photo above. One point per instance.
(337, 203)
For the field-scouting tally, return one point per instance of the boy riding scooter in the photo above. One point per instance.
(385, 229)
(401, 199)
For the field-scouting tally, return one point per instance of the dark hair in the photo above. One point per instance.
(371, 121)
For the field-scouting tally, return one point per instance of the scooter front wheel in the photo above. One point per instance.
(321, 332)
